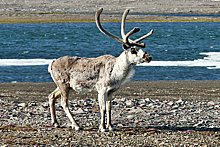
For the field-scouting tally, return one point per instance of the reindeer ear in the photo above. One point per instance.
(125, 47)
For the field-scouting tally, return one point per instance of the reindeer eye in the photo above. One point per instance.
(133, 51)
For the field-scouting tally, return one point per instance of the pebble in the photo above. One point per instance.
(80, 110)
(22, 105)
(174, 116)
(170, 103)
(211, 103)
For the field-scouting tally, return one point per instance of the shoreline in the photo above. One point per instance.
(65, 17)
(162, 90)
(47, 11)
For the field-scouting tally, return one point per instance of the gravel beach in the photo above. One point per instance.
(145, 113)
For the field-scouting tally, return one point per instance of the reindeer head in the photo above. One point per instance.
(132, 47)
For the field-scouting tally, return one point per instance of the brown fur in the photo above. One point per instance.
(105, 74)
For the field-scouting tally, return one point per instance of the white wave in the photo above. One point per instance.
(212, 61)
(24, 62)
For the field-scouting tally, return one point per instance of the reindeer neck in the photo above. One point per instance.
(124, 62)
(123, 70)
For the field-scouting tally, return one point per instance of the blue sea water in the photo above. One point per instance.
(181, 51)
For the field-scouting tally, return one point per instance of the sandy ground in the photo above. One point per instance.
(19, 11)
(161, 90)
(76, 11)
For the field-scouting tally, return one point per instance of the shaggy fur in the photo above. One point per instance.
(105, 74)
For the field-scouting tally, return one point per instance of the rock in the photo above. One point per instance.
(170, 103)
(217, 107)
(180, 101)
(162, 144)
(130, 116)
(211, 103)
(150, 105)
(148, 100)
(199, 123)
(142, 105)
(175, 107)
(120, 125)
(80, 110)
(33, 104)
(73, 105)
(129, 103)
(138, 110)
(14, 115)
(85, 103)
(45, 105)
(22, 105)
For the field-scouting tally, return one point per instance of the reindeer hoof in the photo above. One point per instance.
(56, 125)
(101, 129)
(77, 128)
(111, 128)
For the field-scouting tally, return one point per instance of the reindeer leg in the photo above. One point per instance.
(108, 108)
(64, 103)
(52, 98)
(102, 102)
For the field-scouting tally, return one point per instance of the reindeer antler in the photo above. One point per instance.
(123, 29)
(125, 39)
(97, 18)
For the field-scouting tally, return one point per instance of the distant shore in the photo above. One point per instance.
(75, 18)
(45, 11)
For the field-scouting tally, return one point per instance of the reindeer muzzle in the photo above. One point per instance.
(147, 57)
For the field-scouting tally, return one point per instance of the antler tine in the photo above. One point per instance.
(97, 18)
(123, 31)
(131, 42)
(123, 24)
(126, 38)
(143, 37)
(134, 30)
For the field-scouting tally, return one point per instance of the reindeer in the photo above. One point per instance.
(105, 74)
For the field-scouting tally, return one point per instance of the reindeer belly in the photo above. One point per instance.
(83, 81)
(82, 86)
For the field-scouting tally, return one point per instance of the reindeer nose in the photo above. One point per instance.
(148, 57)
